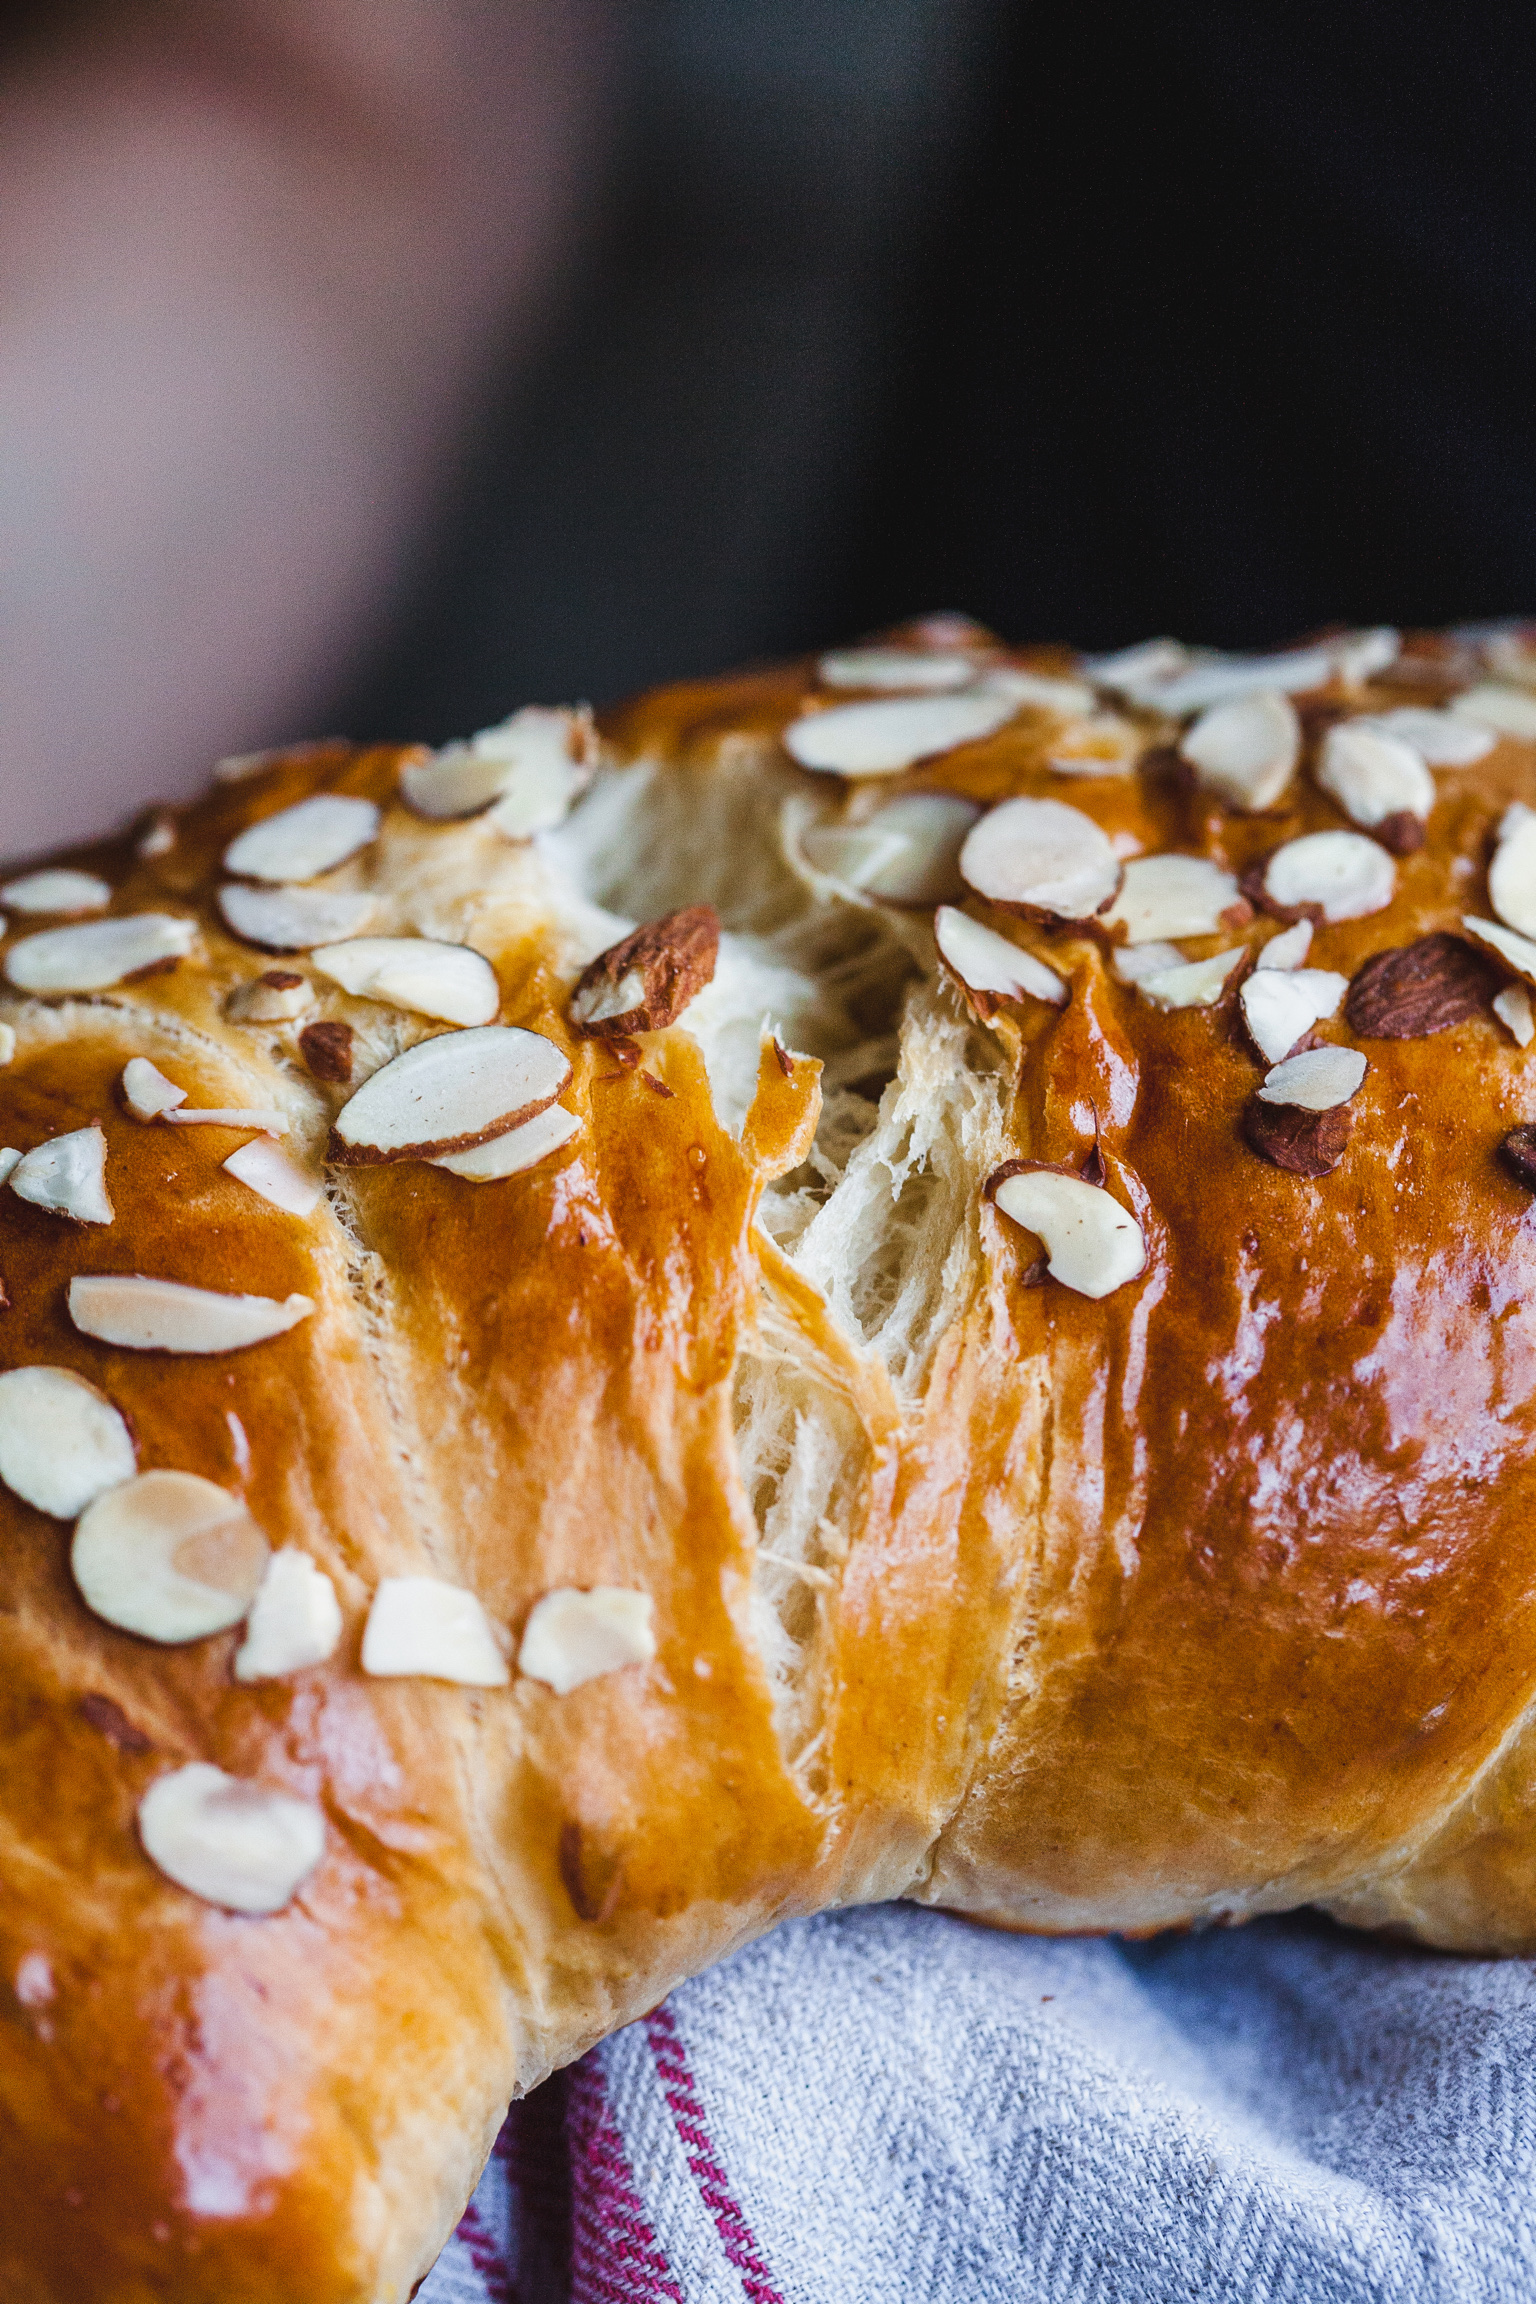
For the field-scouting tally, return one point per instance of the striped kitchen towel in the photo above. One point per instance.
(892, 2104)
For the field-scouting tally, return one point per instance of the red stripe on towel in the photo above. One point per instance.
(682, 2096)
(615, 2258)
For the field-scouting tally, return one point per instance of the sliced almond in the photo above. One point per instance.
(1246, 751)
(1373, 775)
(1102, 744)
(62, 1443)
(294, 1621)
(1192, 983)
(1517, 951)
(263, 1116)
(1039, 691)
(7, 1043)
(265, 1169)
(528, 769)
(157, 835)
(449, 981)
(1494, 704)
(1288, 949)
(232, 1843)
(1165, 897)
(98, 953)
(1093, 1245)
(1042, 858)
(1439, 738)
(56, 891)
(894, 668)
(146, 1090)
(1512, 1007)
(1343, 874)
(10, 1161)
(447, 1094)
(1316, 1080)
(1416, 989)
(301, 842)
(144, 1315)
(1147, 664)
(645, 981)
(292, 919)
(1132, 963)
(572, 1637)
(168, 1556)
(1351, 657)
(987, 962)
(1512, 874)
(906, 853)
(278, 997)
(520, 1148)
(67, 1176)
(421, 1628)
(882, 739)
(1279, 1005)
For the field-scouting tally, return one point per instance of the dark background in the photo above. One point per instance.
(1097, 322)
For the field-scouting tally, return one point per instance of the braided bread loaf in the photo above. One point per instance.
(980, 1352)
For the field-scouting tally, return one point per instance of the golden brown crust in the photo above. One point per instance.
(1214, 1596)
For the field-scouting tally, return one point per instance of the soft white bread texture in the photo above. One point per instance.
(931, 1299)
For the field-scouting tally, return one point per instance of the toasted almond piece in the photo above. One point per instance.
(1358, 656)
(1092, 1244)
(67, 1176)
(906, 853)
(1279, 1005)
(146, 1315)
(1512, 874)
(278, 997)
(528, 769)
(1512, 1007)
(294, 1621)
(266, 1117)
(1345, 875)
(62, 1443)
(519, 1149)
(1415, 989)
(146, 1090)
(1221, 679)
(1495, 704)
(572, 1637)
(987, 962)
(1146, 664)
(98, 953)
(56, 891)
(421, 1628)
(267, 1170)
(1131, 963)
(1164, 897)
(1518, 952)
(1193, 983)
(1041, 857)
(1439, 738)
(233, 1843)
(327, 1049)
(1246, 751)
(449, 1093)
(1039, 691)
(1518, 1152)
(1315, 1080)
(449, 981)
(645, 981)
(1288, 949)
(168, 1556)
(1102, 744)
(292, 919)
(883, 738)
(1291, 1136)
(894, 668)
(301, 842)
(1373, 775)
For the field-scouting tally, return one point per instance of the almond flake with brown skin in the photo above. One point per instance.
(146, 1091)
(1093, 1245)
(265, 1169)
(292, 919)
(62, 1443)
(883, 738)
(1165, 897)
(450, 982)
(1246, 751)
(1375, 777)
(169, 1556)
(141, 1314)
(1512, 873)
(278, 997)
(1279, 1005)
(517, 1151)
(67, 1176)
(906, 853)
(1513, 1008)
(327, 1050)
(1287, 950)
(301, 842)
(1343, 875)
(97, 954)
(1517, 952)
(448, 1094)
(57, 891)
(1041, 858)
(1192, 983)
(984, 962)
(1416, 989)
(235, 1844)
(644, 982)
(895, 670)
